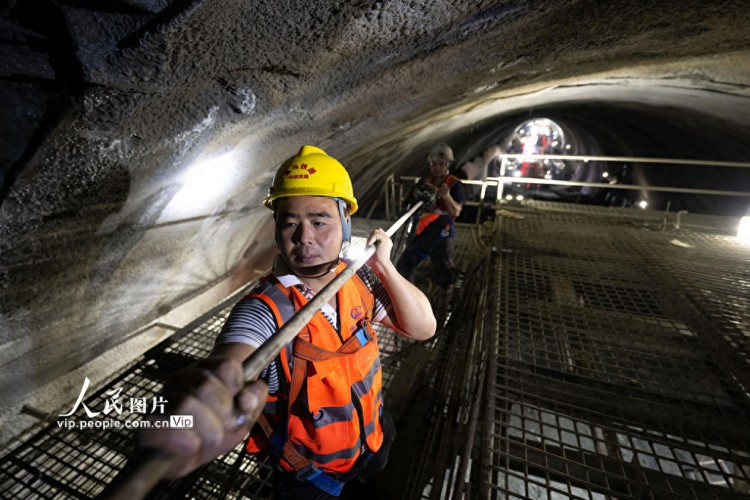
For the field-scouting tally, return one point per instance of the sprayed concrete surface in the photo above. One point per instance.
(139, 136)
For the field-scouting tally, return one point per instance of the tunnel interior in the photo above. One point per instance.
(140, 136)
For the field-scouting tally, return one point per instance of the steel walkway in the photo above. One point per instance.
(590, 353)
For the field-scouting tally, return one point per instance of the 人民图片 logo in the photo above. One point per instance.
(118, 410)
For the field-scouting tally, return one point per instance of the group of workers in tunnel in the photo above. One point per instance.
(317, 409)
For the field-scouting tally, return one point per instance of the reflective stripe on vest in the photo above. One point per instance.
(282, 310)
(425, 221)
(324, 424)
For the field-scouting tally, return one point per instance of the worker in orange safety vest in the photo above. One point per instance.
(435, 230)
(323, 422)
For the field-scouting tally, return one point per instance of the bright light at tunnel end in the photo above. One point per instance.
(743, 230)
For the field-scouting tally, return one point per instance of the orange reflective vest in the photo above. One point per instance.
(329, 412)
(427, 218)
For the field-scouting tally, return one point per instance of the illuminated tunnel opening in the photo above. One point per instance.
(629, 131)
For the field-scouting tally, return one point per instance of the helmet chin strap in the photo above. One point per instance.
(346, 224)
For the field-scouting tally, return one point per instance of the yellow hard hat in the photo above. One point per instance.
(311, 172)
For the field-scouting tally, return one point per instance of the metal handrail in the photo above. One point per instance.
(632, 159)
(634, 187)
(499, 181)
(495, 181)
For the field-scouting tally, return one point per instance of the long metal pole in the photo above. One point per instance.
(150, 466)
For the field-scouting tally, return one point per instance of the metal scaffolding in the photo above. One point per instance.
(589, 353)
(611, 361)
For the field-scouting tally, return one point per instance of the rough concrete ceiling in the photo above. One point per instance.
(139, 136)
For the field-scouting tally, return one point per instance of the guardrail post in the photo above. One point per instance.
(503, 166)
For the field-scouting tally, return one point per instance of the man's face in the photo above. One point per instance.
(308, 232)
(438, 167)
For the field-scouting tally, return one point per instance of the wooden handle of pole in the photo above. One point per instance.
(150, 466)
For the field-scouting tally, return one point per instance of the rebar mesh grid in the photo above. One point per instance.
(62, 462)
(620, 362)
(615, 365)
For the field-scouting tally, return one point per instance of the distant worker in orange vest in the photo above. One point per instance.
(436, 230)
(323, 424)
